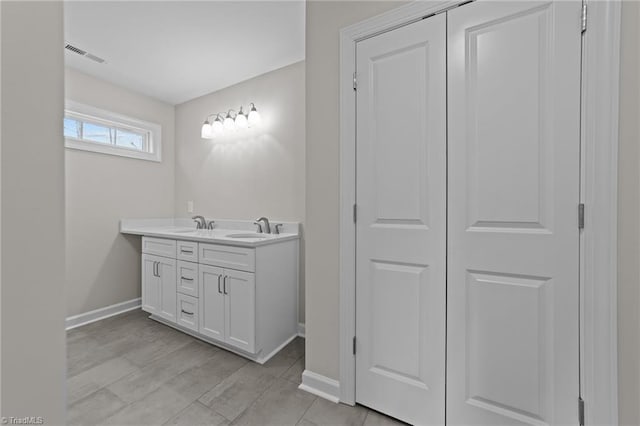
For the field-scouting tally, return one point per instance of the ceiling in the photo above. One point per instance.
(178, 50)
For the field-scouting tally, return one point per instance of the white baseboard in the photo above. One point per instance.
(301, 330)
(102, 313)
(321, 386)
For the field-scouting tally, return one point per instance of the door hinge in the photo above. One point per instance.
(354, 345)
(580, 411)
(355, 81)
(584, 16)
(355, 213)
(581, 216)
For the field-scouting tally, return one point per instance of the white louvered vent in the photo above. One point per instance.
(71, 48)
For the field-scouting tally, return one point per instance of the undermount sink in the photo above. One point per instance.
(247, 236)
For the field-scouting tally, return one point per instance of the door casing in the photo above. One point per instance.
(599, 169)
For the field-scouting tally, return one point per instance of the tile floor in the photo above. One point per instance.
(130, 370)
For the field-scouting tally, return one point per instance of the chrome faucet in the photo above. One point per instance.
(266, 228)
(201, 222)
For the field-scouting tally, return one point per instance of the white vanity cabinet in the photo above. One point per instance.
(159, 286)
(227, 304)
(244, 299)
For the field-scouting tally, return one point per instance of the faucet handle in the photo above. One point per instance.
(211, 224)
(259, 227)
(276, 228)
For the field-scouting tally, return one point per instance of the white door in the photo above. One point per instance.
(166, 271)
(211, 301)
(150, 284)
(239, 289)
(513, 159)
(401, 224)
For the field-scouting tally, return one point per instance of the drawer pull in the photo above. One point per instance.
(186, 313)
(186, 279)
(186, 251)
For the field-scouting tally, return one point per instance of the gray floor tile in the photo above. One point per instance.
(154, 409)
(376, 419)
(94, 408)
(284, 359)
(195, 381)
(325, 413)
(237, 392)
(282, 404)
(197, 414)
(142, 355)
(97, 377)
(140, 383)
(294, 373)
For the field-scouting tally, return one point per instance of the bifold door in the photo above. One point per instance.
(401, 227)
(514, 141)
(468, 138)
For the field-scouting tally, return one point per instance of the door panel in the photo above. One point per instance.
(240, 309)
(150, 285)
(211, 301)
(167, 270)
(401, 226)
(513, 167)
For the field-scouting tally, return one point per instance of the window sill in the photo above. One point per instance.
(111, 150)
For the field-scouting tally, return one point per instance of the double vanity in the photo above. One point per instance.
(230, 285)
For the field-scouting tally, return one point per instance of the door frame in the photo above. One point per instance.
(599, 185)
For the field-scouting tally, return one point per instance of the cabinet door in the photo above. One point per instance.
(211, 301)
(150, 285)
(166, 271)
(239, 289)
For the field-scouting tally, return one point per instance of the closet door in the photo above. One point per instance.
(513, 160)
(401, 224)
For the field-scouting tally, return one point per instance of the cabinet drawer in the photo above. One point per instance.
(187, 250)
(239, 258)
(187, 278)
(159, 247)
(187, 312)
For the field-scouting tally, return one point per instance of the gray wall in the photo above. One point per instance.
(255, 173)
(32, 200)
(103, 266)
(628, 215)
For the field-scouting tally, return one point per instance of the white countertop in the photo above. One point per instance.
(185, 230)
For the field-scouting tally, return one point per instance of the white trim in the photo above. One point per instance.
(320, 385)
(102, 313)
(600, 92)
(301, 330)
(110, 118)
(601, 65)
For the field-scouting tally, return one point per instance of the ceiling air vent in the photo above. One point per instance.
(70, 47)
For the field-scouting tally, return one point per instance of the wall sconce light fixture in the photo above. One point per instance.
(231, 122)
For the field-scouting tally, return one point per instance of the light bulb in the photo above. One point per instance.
(229, 124)
(254, 116)
(217, 126)
(241, 120)
(207, 131)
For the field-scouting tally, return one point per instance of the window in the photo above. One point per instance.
(92, 129)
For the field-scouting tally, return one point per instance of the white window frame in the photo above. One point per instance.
(92, 114)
